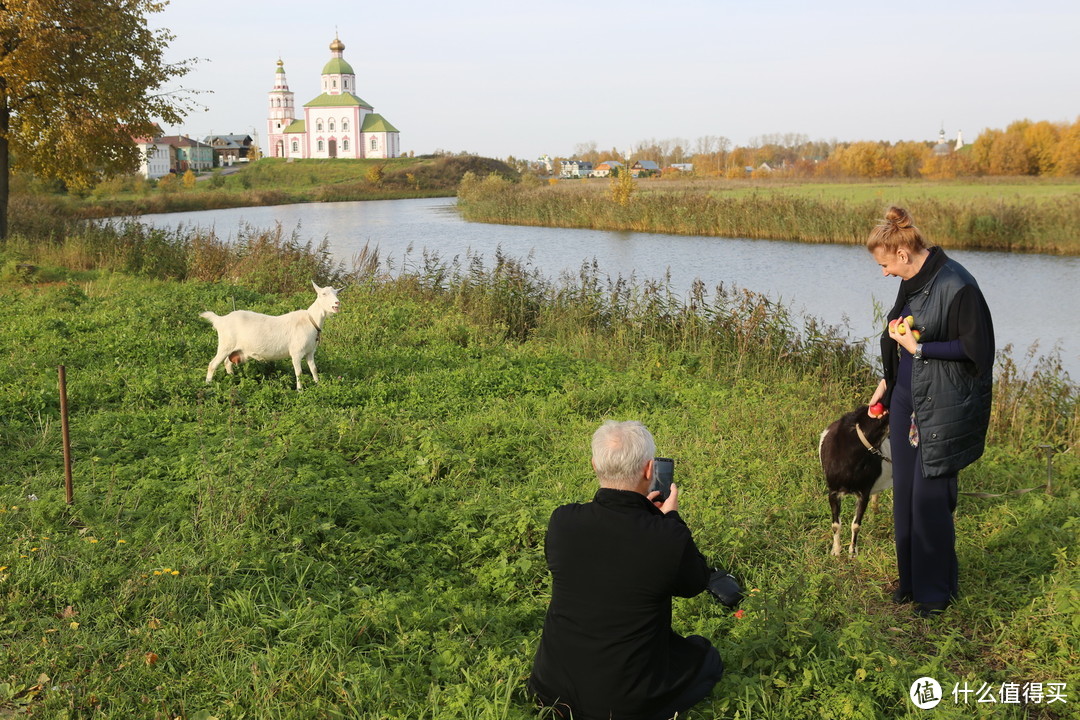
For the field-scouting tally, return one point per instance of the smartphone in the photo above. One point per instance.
(663, 472)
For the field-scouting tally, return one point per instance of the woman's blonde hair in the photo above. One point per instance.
(896, 231)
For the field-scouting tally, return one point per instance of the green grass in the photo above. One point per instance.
(270, 181)
(372, 547)
(907, 192)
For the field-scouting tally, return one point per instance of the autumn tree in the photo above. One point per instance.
(375, 174)
(1067, 153)
(78, 80)
(1041, 139)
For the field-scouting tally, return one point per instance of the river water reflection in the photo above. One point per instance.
(1035, 299)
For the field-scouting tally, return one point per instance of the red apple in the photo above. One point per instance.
(877, 410)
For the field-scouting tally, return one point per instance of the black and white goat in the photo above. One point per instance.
(857, 460)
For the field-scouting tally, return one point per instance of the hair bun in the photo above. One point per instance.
(899, 217)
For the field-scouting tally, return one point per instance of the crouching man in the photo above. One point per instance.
(608, 651)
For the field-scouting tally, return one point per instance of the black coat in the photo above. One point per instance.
(608, 650)
(951, 398)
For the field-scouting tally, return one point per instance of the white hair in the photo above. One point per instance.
(620, 451)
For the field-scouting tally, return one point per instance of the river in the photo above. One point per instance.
(1035, 299)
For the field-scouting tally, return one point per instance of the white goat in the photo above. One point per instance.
(245, 335)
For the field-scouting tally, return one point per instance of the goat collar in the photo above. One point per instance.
(867, 445)
(318, 334)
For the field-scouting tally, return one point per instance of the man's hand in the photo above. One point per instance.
(669, 505)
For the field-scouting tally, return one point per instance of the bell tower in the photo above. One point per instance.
(281, 115)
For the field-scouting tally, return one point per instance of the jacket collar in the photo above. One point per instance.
(926, 273)
(624, 501)
(915, 284)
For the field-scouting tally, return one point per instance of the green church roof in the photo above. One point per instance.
(373, 122)
(337, 66)
(343, 100)
(296, 126)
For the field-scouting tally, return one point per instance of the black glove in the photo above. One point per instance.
(724, 587)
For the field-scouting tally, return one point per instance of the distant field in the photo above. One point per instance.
(1015, 215)
(885, 191)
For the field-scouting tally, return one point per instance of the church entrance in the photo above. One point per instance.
(279, 149)
(333, 148)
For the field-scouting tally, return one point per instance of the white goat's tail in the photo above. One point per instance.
(210, 317)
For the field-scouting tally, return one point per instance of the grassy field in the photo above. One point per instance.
(372, 547)
(1037, 216)
(270, 181)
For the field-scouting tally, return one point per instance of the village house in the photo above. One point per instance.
(575, 168)
(605, 168)
(336, 124)
(644, 168)
(229, 149)
(189, 154)
(156, 157)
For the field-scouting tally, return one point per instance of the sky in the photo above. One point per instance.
(500, 78)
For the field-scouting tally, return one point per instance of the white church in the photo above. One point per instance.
(336, 124)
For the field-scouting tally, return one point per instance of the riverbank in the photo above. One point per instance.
(373, 545)
(269, 181)
(1007, 216)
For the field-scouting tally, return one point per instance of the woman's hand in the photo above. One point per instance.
(874, 408)
(906, 341)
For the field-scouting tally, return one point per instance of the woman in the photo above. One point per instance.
(938, 355)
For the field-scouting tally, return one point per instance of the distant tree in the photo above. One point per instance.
(1041, 139)
(621, 185)
(79, 79)
(981, 149)
(375, 174)
(735, 172)
(586, 151)
(1009, 152)
(864, 160)
(1067, 152)
(189, 180)
(908, 157)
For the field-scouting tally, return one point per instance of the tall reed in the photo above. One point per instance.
(723, 330)
(1012, 224)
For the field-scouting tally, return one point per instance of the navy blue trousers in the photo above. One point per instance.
(923, 517)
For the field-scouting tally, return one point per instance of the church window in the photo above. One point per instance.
(295, 146)
(320, 146)
(318, 126)
(374, 143)
(344, 126)
(333, 84)
(331, 126)
(345, 144)
(346, 83)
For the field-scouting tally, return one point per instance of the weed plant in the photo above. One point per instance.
(1031, 222)
(372, 547)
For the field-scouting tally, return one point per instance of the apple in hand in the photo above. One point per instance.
(876, 410)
